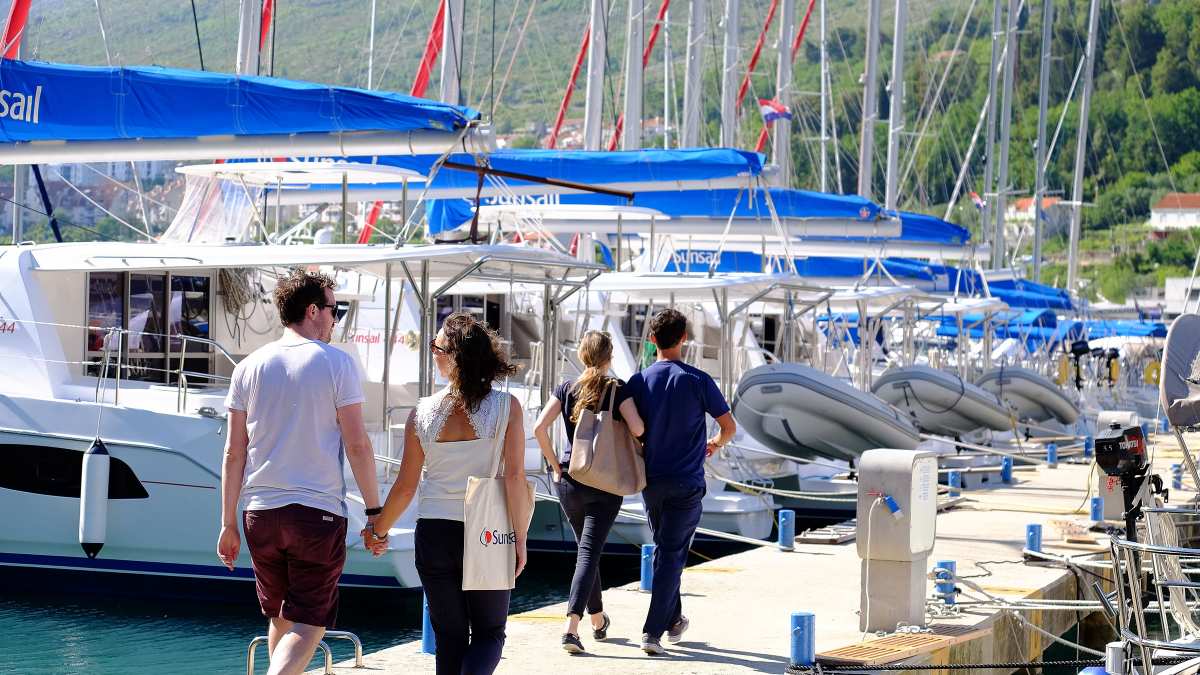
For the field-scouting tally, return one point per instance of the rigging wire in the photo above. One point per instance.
(196, 26)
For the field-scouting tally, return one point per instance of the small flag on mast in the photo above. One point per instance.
(773, 110)
(979, 203)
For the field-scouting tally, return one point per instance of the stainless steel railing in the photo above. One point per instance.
(322, 645)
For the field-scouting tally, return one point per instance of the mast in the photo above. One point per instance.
(870, 116)
(824, 135)
(999, 254)
(989, 165)
(371, 50)
(452, 52)
(1039, 163)
(666, 116)
(1085, 101)
(697, 27)
(247, 46)
(781, 148)
(631, 138)
(729, 76)
(595, 78)
(896, 105)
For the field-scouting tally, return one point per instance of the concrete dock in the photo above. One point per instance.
(739, 605)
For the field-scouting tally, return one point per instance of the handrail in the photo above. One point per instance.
(263, 638)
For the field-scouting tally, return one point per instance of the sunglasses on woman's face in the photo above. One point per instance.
(433, 346)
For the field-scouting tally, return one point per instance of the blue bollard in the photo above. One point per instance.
(1176, 476)
(945, 589)
(1033, 537)
(1089, 447)
(804, 639)
(1164, 426)
(1006, 466)
(1145, 430)
(1052, 455)
(1097, 513)
(647, 582)
(428, 640)
(787, 530)
(955, 481)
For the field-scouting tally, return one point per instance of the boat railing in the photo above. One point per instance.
(1157, 570)
(322, 645)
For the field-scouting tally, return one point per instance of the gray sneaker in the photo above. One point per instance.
(675, 633)
(652, 645)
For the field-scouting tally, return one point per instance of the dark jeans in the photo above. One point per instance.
(468, 625)
(591, 513)
(674, 512)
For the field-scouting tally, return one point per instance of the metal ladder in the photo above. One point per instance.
(324, 647)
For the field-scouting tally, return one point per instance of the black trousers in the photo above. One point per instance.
(674, 512)
(591, 513)
(469, 625)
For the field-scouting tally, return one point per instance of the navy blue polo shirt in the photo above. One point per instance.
(673, 399)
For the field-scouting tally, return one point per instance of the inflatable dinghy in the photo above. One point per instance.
(1033, 397)
(805, 413)
(941, 402)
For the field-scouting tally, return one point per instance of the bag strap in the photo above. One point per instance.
(612, 399)
(501, 433)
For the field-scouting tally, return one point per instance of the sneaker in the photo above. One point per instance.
(652, 645)
(571, 643)
(601, 633)
(675, 633)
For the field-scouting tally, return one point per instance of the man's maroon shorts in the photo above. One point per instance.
(298, 553)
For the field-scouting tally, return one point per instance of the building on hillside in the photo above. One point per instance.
(1176, 289)
(1020, 210)
(1175, 211)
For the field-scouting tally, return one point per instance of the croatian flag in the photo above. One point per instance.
(979, 203)
(773, 110)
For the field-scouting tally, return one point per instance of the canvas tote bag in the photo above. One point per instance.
(489, 538)
(604, 454)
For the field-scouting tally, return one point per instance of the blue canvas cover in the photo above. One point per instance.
(42, 101)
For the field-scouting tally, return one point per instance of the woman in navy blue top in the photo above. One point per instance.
(591, 512)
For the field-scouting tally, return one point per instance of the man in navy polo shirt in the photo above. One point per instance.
(673, 399)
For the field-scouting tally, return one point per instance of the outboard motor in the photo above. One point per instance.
(1079, 349)
(1111, 366)
(1121, 453)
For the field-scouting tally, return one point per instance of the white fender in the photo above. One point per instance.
(93, 499)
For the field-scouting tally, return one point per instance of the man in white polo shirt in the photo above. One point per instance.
(295, 411)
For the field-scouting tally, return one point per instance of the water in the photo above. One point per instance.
(45, 633)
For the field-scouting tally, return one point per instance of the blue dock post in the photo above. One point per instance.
(1089, 446)
(1033, 537)
(787, 530)
(1006, 467)
(428, 640)
(1052, 455)
(945, 580)
(647, 568)
(1164, 425)
(1145, 430)
(1176, 476)
(1097, 513)
(955, 481)
(804, 639)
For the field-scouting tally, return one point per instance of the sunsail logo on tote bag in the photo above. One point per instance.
(494, 537)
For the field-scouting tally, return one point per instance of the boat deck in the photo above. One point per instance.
(739, 605)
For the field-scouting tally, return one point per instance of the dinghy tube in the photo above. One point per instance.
(802, 412)
(1033, 397)
(941, 402)
(93, 499)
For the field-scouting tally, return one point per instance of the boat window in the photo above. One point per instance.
(106, 309)
(159, 312)
(58, 472)
(483, 307)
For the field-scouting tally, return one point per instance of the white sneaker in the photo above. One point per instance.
(675, 633)
(652, 646)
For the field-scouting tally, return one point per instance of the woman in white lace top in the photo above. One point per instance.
(448, 437)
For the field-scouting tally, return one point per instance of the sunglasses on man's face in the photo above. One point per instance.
(339, 309)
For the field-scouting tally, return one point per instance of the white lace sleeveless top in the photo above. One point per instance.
(448, 464)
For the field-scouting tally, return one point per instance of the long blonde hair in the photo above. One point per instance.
(595, 351)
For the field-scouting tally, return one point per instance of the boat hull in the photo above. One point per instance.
(941, 402)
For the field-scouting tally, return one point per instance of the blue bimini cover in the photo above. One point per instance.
(49, 101)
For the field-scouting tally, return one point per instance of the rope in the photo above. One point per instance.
(1001, 665)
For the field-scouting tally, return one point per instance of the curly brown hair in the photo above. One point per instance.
(299, 289)
(478, 359)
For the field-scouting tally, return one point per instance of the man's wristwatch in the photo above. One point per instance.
(374, 511)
